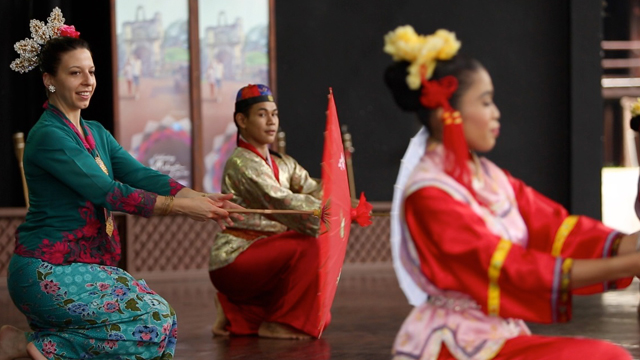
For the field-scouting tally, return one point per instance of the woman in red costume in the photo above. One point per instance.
(487, 250)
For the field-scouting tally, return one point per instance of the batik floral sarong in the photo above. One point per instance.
(88, 311)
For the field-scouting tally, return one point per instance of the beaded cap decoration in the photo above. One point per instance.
(252, 94)
(29, 48)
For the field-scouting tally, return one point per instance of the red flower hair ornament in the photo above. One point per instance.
(69, 30)
(435, 94)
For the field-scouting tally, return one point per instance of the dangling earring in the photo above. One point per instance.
(52, 88)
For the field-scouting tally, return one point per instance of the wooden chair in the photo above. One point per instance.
(18, 145)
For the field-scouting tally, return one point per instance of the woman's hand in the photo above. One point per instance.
(592, 271)
(223, 201)
(202, 209)
(220, 201)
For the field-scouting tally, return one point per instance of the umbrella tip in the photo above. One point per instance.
(331, 90)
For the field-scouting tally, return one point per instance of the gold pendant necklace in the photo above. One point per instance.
(109, 224)
(108, 219)
(101, 164)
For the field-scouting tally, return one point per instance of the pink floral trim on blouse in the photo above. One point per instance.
(87, 244)
(175, 187)
(138, 202)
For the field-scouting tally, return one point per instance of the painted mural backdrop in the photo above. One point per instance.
(234, 51)
(153, 84)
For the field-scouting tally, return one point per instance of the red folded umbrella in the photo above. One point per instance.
(337, 214)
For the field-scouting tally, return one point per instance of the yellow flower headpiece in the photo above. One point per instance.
(29, 48)
(421, 51)
(635, 108)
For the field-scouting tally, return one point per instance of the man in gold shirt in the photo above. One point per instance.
(265, 267)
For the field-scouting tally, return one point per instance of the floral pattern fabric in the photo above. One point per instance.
(137, 202)
(89, 244)
(90, 311)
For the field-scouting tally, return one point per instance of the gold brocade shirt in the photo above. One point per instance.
(253, 185)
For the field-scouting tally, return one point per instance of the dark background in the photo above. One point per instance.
(544, 57)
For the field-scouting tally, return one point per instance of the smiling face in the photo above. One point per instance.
(259, 124)
(74, 81)
(480, 116)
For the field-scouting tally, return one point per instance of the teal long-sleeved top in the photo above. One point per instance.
(70, 194)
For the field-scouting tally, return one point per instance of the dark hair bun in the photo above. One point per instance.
(396, 79)
(51, 53)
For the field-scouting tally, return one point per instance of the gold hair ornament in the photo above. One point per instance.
(29, 48)
(421, 51)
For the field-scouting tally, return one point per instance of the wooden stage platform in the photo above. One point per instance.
(368, 311)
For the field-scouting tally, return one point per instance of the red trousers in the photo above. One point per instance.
(274, 280)
(536, 347)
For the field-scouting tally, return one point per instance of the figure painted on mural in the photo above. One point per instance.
(63, 275)
(211, 79)
(219, 74)
(127, 73)
(489, 251)
(264, 266)
(136, 72)
(214, 74)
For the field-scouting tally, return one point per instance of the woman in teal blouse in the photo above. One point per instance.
(63, 274)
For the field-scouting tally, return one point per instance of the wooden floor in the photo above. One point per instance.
(367, 312)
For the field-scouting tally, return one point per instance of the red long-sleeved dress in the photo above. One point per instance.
(488, 260)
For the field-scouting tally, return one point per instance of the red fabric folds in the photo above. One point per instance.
(536, 347)
(274, 280)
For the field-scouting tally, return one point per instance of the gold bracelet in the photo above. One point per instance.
(163, 208)
(170, 205)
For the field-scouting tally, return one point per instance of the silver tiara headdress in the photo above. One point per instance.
(29, 48)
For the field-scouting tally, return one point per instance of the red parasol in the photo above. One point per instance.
(337, 215)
